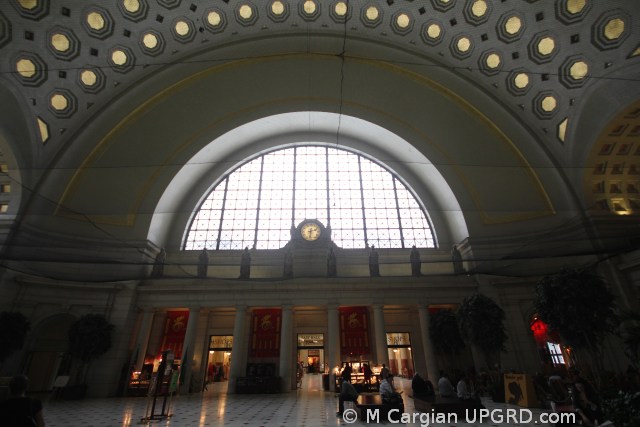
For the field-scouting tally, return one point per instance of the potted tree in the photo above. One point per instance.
(89, 338)
(445, 335)
(579, 306)
(15, 327)
(481, 323)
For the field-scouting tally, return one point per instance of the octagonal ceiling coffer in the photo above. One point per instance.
(214, 20)
(611, 29)
(30, 69)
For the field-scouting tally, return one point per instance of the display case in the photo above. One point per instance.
(140, 380)
(357, 376)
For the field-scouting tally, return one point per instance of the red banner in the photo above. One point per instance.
(174, 329)
(265, 332)
(354, 331)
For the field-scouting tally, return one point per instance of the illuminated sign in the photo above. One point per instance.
(310, 340)
(396, 339)
(221, 341)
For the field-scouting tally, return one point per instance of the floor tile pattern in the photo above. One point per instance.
(309, 406)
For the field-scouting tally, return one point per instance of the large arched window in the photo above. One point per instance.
(258, 203)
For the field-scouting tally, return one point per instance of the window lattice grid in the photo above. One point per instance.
(556, 354)
(257, 204)
(276, 200)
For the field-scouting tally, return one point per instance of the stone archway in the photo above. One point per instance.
(46, 351)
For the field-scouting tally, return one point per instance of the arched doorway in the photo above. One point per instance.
(47, 348)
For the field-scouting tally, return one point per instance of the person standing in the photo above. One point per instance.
(366, 370)
(18, 409)
(346, 373)
(384, 372)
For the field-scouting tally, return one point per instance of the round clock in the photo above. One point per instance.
(310, 231)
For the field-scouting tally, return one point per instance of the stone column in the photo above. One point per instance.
(382, 356)
(188, 348)
(427, 346)
(142, 340)
(332, 340)
(238, 356)
(286, 362)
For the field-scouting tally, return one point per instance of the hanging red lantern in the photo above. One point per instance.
(540, 331)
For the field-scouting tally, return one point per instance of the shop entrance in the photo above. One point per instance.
(400, 355)
(219, 357)
(311, 353)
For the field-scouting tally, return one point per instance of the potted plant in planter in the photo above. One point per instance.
(481, 323)
(445, 336)
(89, 338)
(13, 332)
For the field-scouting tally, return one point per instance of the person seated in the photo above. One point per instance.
(445, 387)
(586, 401)
(18, 409)
(389, 395)
(467, 395)
(348, 393)
(422, 388)
(462, 389)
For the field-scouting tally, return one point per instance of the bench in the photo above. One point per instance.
(373, 402)
(447, 405)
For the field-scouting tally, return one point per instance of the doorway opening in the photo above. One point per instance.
(311, 353)
(400, 354)
(219, 357)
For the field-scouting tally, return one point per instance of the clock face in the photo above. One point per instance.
(310, 231)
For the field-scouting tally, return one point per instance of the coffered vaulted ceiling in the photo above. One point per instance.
(565, 72)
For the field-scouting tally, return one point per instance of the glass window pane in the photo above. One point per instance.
(325, 178)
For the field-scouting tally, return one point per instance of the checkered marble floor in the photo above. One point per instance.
(309, 406)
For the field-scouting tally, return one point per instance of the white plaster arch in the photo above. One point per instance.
(197, 177)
